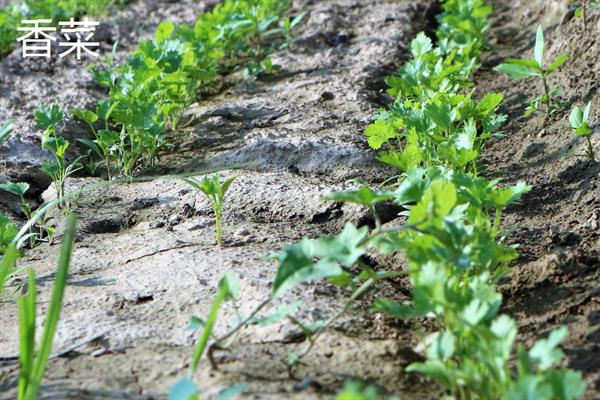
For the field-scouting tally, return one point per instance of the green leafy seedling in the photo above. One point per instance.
(19, 189)
(519, 68)
(48, 118)
(579, 123)
(215, 190)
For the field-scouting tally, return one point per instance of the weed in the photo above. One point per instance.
(215, 190)
(33, 363)
(579, 123)
(524, 68)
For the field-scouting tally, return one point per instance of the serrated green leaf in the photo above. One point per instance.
(379, 132)
(164, 31)
(48, 116)
(84, 115)
(420, 45)
(489, 103)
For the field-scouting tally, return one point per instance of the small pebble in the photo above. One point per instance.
(243, 231)
(174, 219)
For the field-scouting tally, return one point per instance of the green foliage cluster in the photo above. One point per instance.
(160, 80)
(452, 237)
(434, 119)
(56, 10)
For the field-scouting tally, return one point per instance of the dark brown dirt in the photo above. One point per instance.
(557, 279)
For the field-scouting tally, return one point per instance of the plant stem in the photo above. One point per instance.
(546, 91)
(497, 220)
(591, 152)
(53, 313)
(244, 322)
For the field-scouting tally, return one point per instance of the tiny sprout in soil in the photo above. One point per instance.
(215, 190)
(579, 123)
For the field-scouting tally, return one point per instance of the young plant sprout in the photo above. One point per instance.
(519, 68)
(19, 189)
(579, 123)
(215, 190)
(59, 170)
(581, 11)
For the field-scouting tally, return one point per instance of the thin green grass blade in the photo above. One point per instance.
(7, 265)
(27, 320)
(53, 313)
(208, 327)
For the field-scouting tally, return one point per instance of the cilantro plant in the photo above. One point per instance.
(215, 191)
(525, 68)
(106, 142)
(48, 118)
(579, 123)
(147, 95)
(452, 236)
